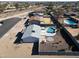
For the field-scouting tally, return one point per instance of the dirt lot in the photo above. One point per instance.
(3, 15)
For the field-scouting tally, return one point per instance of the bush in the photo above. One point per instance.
(2, 7)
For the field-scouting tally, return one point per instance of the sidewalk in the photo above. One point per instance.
(18, 15)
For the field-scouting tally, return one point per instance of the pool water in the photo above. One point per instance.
(51, 29)
(70, 22)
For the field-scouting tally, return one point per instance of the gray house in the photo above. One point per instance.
(31, 34)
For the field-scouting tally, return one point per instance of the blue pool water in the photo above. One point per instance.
(70, 22)
(51, 29)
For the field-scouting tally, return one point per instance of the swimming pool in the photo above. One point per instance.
(70, 22)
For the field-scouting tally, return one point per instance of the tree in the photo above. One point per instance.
(2, 7)
(21, 5)
(16, 6)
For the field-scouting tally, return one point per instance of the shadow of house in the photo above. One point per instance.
(35, 49)
(18, 39)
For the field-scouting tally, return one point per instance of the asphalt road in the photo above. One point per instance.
(8, 24)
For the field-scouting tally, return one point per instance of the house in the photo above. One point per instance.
(32, 33)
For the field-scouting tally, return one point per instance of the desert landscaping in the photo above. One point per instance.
(12, 24)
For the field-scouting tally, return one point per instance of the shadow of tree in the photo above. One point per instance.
(77, 37)
(18, 39)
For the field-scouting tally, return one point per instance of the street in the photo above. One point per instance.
(7, 25)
